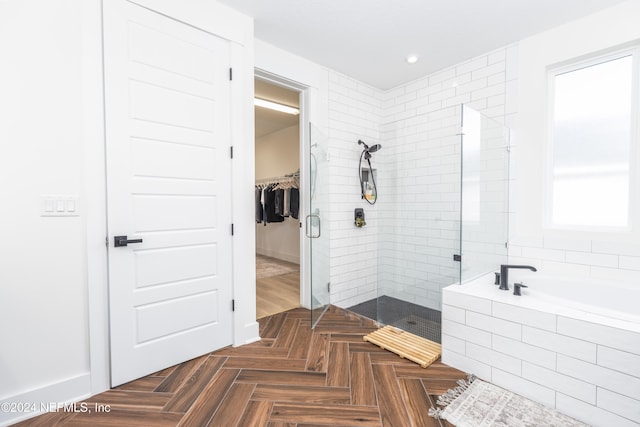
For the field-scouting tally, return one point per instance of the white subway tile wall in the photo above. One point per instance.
(354, 113)
(523, 387)
(619, 404)
(579, 349)
(507, 363)
(584, 369)
(623, 383)
(578, 257)
(497, 326)
(625, 340)
(524, 315)
(406, 249)
(418, 231)
(563, 383)
(594, 414)
(619, 360)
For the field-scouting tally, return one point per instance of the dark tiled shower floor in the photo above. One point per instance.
(418, 320)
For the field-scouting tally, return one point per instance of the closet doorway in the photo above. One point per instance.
(277, 192)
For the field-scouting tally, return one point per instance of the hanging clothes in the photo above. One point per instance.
(259, 207)
(287, 207)
(277, 198)
(270, 206)
(294, 202)
(279, 201)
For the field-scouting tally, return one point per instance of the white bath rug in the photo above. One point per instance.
(475, 403)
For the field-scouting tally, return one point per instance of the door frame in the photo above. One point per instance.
(312, 80)
(303, 141)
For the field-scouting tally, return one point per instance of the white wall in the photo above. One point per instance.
(613, 256)
(43, 273)
(278, 154)
(354, 113)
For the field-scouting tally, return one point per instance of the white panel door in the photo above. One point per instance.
(168, 183)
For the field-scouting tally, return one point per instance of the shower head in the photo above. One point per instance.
(374, 148)
(368, 149)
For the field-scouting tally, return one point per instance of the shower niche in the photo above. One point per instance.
(367, 177)
(444, 177)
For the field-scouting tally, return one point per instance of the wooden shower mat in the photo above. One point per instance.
(406, 345)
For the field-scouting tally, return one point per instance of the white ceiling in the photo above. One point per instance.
(369, 39)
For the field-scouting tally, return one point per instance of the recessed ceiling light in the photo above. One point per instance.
(275, 106)
(412, 59)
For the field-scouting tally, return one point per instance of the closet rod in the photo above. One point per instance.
(273, 180)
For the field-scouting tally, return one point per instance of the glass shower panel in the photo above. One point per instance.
(442, 212)
(485, 188)
(419, 219)
(317, 221)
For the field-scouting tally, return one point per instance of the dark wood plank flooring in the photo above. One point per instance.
(294, 376)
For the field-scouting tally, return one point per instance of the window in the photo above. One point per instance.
(592, 134)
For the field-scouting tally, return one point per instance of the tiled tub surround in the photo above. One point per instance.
(578, 360)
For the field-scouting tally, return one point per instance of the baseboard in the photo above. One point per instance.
(279, 255)
(252, 330)
(44, 399)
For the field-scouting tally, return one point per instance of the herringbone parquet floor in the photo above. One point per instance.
(294, 376)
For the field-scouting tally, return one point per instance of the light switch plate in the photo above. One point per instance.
(59, 205)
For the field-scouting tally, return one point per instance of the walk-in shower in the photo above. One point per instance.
(444, 215)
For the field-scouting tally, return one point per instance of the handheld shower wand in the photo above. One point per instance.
(366, 154)
(368, 150)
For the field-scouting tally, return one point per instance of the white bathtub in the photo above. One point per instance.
(611, 299)
(565, 295)
(572, 344)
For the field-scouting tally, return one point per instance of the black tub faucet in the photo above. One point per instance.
(504, 274)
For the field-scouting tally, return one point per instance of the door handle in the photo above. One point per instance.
(119, 241)
(311, 236)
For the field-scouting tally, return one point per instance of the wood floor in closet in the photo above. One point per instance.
(277, 286)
